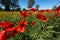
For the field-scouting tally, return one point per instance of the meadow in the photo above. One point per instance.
(30, 25)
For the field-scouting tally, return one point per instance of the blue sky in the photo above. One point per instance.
(44, 4)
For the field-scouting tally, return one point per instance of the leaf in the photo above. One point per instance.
(49, 27)
(40, 38)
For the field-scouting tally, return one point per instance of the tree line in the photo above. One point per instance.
(14, 5)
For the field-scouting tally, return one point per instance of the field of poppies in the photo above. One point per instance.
(30, 25)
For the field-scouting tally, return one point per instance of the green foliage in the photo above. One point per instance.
(31, 3)
(54, 8)
(12, 17)
(9, 4)
(37, 7)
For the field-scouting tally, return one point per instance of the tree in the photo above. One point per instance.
(9, 4)
(17, 8)
(37, 7)
(31, 3)
(24, 9)
(1, 9)
(6, 4)
(14, 4)
(54, 7)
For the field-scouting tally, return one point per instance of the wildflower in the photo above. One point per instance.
(4, 35)
(2, 23)
(41, 11)
(58, 8)
(21, 26)
(48, 10)
(32, 9)
(42, 17)
(8, 25)
(32, 23)
(24, 14)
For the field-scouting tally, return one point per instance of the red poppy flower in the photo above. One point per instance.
(58, 11)
(47, 10)
(42, 17)
(8, 25)
(32, 9)
(58, 8)
(22, 26)
(32, 23)
(2, 23)
(12, 31)
(41, 11)
(24, 14)
(4, 35)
